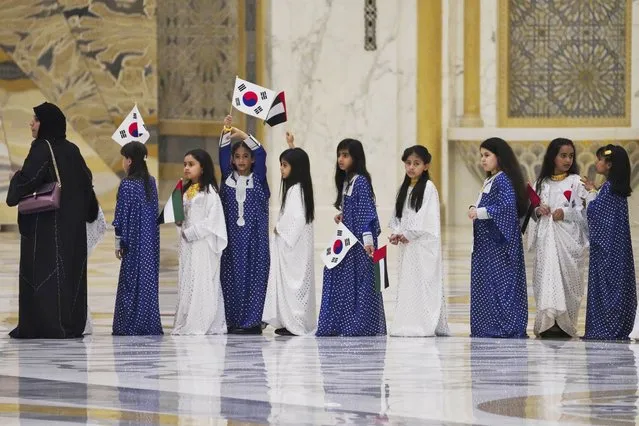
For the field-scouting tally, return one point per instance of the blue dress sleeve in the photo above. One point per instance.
(504, 211)
(225, 154)
(367, 220)
(122, 212)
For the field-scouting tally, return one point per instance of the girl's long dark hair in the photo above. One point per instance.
(300, 173)
(507, 162)
(356, 151)
(208, 171)
(137, 152)
(548, 165)
(619, 173)
(417, 196)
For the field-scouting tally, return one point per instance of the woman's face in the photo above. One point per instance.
(35, 127)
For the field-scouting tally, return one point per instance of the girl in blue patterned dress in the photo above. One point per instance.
(350, 304)
(137, 245)
(612, 295)
(498, 300)
(246, 260)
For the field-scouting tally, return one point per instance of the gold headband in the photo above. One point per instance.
(607, 152)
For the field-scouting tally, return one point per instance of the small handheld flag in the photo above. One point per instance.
(173, 210)
(535, 201)
(277, 113)
(131, 129)
(341, 244)
(252, 99)
(381, 271)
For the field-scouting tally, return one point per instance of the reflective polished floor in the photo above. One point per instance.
(254, 380)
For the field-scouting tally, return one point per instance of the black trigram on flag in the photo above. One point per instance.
(135, 116)
(328, 251)
(347, 242)
(122, 134)
(237, 101)
(339, 232)
(258, 110)
(334, 260)
(241, 87)
(263, 95)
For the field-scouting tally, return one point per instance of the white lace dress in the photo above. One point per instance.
(290, 296)
(200, 304)
(421, 304)
(95, 233)
(560, 249)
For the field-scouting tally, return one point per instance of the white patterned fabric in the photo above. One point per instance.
(290, 297)
(200, 305)
(95, 233)
(421, 303)
(560, 248)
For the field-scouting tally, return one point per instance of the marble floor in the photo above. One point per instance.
(242, 380)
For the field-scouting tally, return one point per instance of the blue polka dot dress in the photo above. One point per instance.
(137, 310)
(350, 304)
(498, 299)
(246, 260)
(612, 294)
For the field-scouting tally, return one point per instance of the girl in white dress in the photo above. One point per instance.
(200, 305)
(290, 297)
(421, 304)
(558, 233)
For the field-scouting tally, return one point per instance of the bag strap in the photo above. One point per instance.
(55, 165)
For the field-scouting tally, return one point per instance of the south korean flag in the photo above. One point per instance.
(131, 129)
(342, 243)
(252, 99)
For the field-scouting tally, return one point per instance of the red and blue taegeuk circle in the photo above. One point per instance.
(133, 129)
(338, 246)
(249, 99)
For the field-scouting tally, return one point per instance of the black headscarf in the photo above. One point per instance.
(53, 123)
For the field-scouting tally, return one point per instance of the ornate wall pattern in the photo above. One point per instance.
(531, 154)
(564, 63)
(92, 58)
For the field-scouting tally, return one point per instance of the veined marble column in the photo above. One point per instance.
(429, 82)
(472, 56)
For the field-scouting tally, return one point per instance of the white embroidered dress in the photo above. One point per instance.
(290, 296)
(421, 304)
(200, 305)
(560, 248)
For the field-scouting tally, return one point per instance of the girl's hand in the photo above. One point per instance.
(558, 215)
(393, 239)
(369, 250)
(543, 210)
(119, 254)
(238, 134)
(290, 140)
(338, 218)
(403, 240)
(472, 213)
(178, 223)
(275, 231)
(588, 184)
(228, 123)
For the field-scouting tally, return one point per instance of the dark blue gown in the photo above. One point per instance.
(612, 294)
(498, 298)
(246, 260)
(137, 310)
(350, 304)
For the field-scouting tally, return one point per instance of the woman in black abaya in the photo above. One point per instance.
(53, 247)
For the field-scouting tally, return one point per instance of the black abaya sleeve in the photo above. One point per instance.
(35, 171)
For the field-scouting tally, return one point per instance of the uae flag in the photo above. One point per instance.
(173, 210)
(535, 202)
(381, 271)
(341, 244)
(277, 113)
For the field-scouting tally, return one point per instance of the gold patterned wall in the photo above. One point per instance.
(564, 63)
(94, 59)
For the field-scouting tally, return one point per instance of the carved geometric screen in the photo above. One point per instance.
(564, 63)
